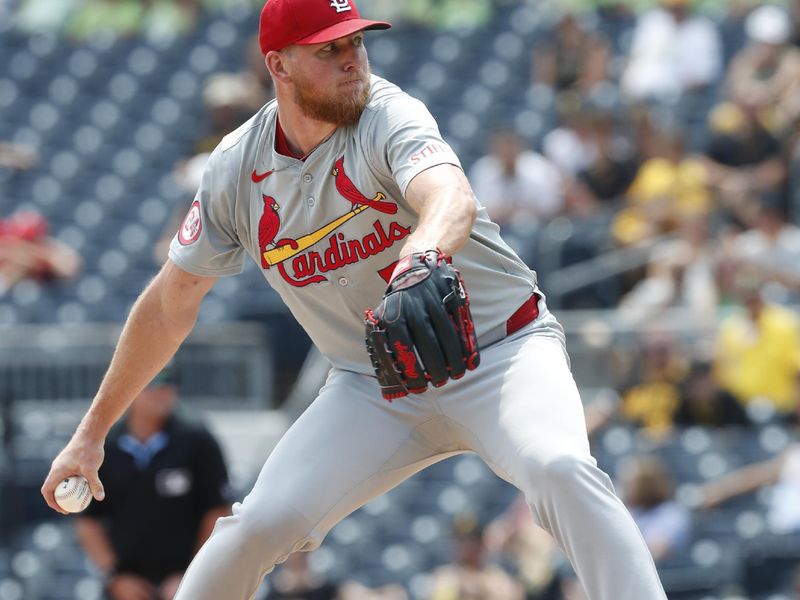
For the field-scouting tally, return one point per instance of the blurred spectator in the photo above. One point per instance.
(468, 577)
(571, 589)
(156, 19)
(673, 51)
(166, 485)
(230, 99)
(574, 58)
(793, 199)
(668, 188)
(166, 19)
(648, 492)
(765, 74)
(120, 18)
(771, 249)
(519, 188)
(680, 273)
(570, 145)
(17, 156)
(296, 581)
(758, 350)
(782, 473)
(731, 27)
(743, 159)
(386, 10)
(530, 550)
(651, 388)
(794, 14)
(703, 403)
(28, 252)
(439, 14)
(256, 78)
(613, 165)
(352, 590)
(450, 14)
(42, 16)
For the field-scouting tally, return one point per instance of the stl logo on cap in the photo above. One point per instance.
(287, 22)
(341, 5)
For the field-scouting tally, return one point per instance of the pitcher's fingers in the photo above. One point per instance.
(49, 492)
(95, 485)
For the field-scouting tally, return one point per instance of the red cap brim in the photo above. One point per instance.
(341, 29)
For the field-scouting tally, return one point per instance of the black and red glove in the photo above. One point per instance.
(422, 331)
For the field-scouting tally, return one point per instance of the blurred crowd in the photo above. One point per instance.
(685, 151)
(675, 141)
(27, 252)
(166, 19)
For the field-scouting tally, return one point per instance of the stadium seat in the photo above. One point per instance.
(770, 563)
(11, 589)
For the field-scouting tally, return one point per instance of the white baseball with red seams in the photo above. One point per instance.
(73, 494)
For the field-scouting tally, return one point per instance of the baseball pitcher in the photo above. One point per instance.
(359, 215)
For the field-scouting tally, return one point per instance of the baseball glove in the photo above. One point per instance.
(422, 330)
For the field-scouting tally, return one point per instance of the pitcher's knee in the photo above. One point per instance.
(269, 532)
(565, 472)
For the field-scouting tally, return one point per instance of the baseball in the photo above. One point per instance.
(73, 494)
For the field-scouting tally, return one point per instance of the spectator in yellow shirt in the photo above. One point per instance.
(668, 186)
(652, 393)
(758, 351)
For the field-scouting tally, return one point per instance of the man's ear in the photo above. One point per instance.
(278, 65)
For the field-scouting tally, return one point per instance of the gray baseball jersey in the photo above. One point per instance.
(327, 230)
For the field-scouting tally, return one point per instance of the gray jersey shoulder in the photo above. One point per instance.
(326, 231)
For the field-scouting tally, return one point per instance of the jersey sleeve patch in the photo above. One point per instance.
(192, 225)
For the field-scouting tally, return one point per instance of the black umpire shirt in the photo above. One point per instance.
(157, 493)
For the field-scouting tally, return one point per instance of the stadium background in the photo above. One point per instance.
(110, 98)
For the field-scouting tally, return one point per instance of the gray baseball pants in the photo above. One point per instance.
(519, 411)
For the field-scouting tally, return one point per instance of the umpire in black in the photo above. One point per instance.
(166, 485)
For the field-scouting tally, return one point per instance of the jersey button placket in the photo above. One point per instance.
(310, 201)
(343, 281)
(308, 178)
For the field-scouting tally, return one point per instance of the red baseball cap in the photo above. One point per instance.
(287, 22)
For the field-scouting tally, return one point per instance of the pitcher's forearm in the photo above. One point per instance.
(446, 206)
(151, 336)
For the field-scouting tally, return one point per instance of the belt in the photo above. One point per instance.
(525, 314)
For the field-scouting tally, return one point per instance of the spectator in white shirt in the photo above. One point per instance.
(781, 472)
(672, 52)
(519, 188)
(772, 249)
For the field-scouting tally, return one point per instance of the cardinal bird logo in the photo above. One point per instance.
(278, 251)
(346, 188)
(268, 226)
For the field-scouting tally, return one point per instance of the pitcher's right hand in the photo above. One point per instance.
(81, 456)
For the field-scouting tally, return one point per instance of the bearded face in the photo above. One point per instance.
(340, 104)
